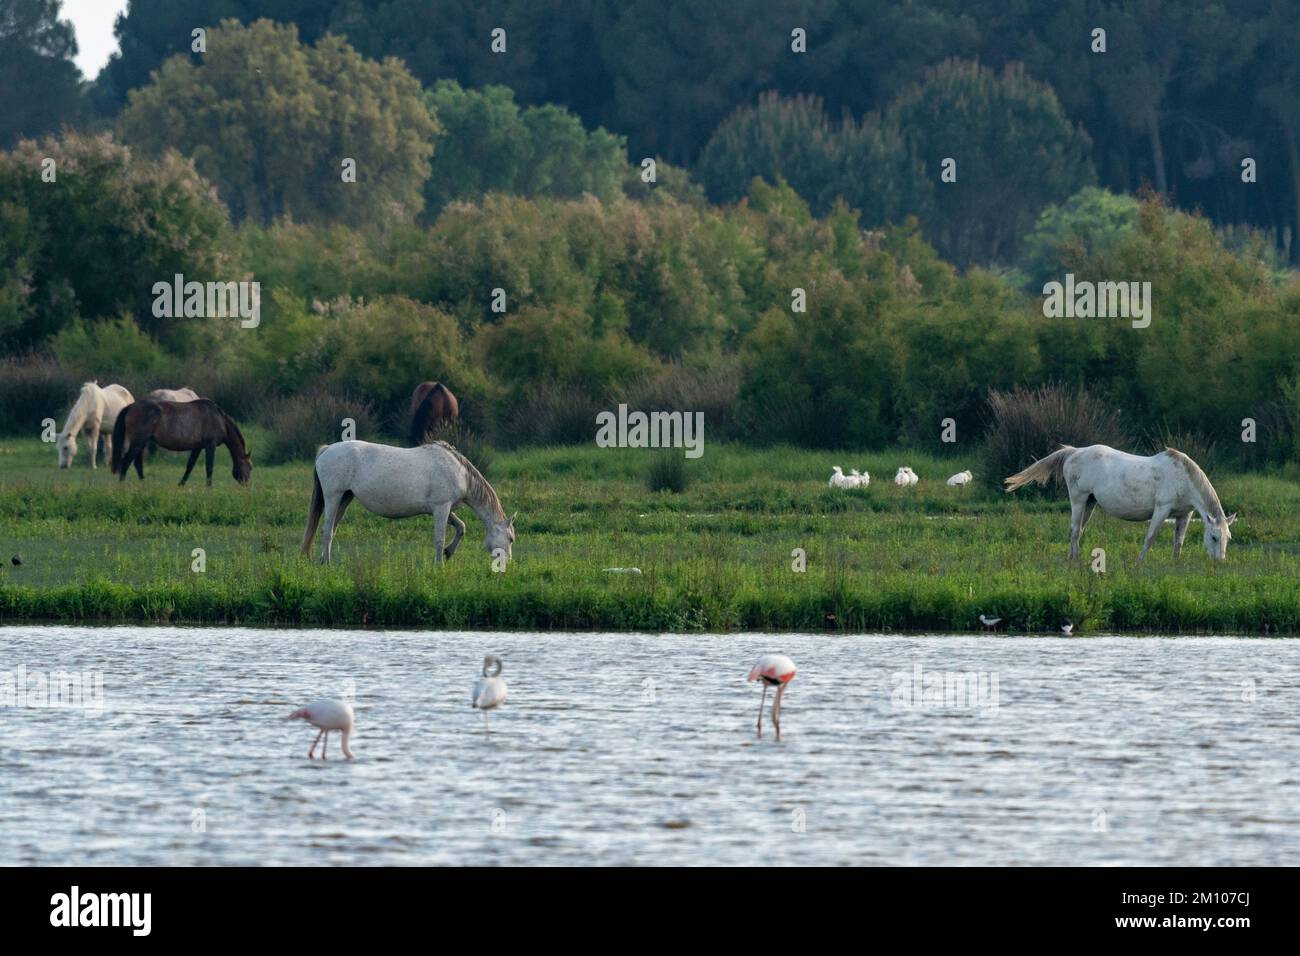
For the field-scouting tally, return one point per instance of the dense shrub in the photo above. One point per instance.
(711, 390)
(300, 424)
(551, 414)
(667, 472)
(33, 388)
(1026, 424)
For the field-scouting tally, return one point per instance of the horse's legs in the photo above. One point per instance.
(1157, 519)
(459, 526)
(1180, 531)
(1078, 518)
(209, 454)
(108, 448)
(139, 463)
(333, 515)
(93, 432)
(189, 466)
(440, 516)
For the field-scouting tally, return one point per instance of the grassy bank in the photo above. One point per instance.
(717, 557)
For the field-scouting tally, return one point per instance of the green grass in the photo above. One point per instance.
(716, 557)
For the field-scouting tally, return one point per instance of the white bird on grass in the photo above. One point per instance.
(990, 622)
(774, 670)
(901, 479)
(961, 478)
(839, 479)
(491, 691)
(860, 479)
(327, 715)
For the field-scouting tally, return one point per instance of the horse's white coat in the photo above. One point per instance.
(174, 395)
(403, 482)
(94, 412)
(1135, 488)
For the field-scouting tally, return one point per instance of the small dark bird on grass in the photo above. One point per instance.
(16, 560)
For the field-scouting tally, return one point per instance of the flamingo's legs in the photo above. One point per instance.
(312, 751)
(325, 747)
(776, 710)
(758, 727)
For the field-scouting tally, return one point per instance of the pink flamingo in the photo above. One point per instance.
(776, 670)
(327, 715)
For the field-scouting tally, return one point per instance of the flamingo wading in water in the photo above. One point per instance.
(327, 715)
(491, 691)
(774, 670)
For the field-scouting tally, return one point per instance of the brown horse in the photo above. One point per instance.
(179, 426)
(431, 402)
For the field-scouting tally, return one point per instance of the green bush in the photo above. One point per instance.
(667, 472)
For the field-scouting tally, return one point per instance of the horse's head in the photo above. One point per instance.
(67, 449)
(1217, 536)
(501, 536)
(243, 469)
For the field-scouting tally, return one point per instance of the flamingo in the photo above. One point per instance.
(776, 670)
(327, 715)
(990, 622)
(491, 691)
(1067, 628)
(961, 478)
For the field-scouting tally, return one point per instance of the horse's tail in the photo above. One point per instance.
(119, 441)
(1042, 470)
(313, 516)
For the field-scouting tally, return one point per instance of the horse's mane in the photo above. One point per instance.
(480, 492)
(230, 424)
(1198, 479)
(80, 408)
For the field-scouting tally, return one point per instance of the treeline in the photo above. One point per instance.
(779, 325)
(1180, 96)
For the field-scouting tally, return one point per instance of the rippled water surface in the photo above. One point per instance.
(636, 749)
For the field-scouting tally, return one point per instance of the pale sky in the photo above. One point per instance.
(93, 20)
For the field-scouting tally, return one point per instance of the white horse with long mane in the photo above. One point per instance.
(403, 482)
(95, 413)
(1167, 485)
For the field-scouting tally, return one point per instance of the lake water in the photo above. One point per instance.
(640, 749)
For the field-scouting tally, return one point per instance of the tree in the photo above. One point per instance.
(1089, 223)
(152, 31)
(1015, 152)
(791, 139)
(96, 239)
(40, 86)
(271, 122)
(489, 144)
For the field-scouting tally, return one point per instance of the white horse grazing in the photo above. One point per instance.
(402, 482)
(94, 412)
(174, 395)
(1136, 489)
